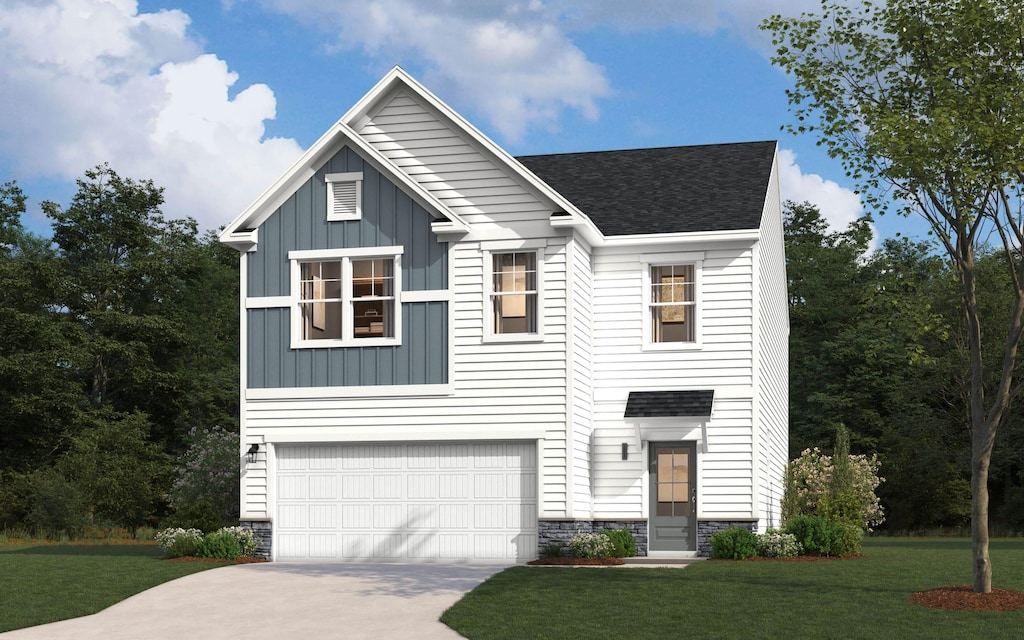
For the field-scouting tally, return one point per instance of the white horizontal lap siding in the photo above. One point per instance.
(254, 477)
(618, 483)
(772, 360)
(727, 471)
(582, 368)
(726, 310)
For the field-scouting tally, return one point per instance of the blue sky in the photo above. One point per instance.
(213, 100)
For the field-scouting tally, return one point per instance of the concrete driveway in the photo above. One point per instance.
(282, 600)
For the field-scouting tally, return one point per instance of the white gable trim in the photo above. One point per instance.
(241, 232)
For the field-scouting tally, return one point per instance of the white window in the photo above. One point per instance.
(514, 293)
(344, 196)
(346, 297)
(671, 298)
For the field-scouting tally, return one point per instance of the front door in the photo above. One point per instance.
(673, 514)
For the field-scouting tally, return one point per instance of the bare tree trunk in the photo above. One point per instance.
(979, 512)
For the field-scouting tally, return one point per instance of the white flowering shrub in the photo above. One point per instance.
(810, 480)
(776, 544)
(591, 545)
(246, 538)
(177, 542)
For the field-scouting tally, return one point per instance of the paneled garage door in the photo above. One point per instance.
(419, 502)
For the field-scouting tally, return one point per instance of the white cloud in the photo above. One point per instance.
(838, 205)
(92, 81)
(510, 61)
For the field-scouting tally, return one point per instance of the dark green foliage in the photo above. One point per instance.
(552, 550)
(219, 545)
(204, 493)
(625, 543)
(56, 505)
(735, 543)
(819, 536)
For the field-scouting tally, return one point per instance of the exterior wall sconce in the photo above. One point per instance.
(250, 455)
(625, 451)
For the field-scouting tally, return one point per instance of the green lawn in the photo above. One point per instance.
(46, 583)
(858, 598)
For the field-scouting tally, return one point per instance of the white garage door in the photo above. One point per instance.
(421, 502)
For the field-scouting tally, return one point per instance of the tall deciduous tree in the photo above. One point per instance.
(922, 103)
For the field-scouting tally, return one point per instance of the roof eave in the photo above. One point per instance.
(732, 235)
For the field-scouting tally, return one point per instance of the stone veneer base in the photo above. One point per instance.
(263, 530)
(562, 531)
(708, 528)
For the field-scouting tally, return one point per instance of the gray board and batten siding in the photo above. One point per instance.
(389, 218)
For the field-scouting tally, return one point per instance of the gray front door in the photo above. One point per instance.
(673, 514)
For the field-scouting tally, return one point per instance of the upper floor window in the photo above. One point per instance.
(514, 292)
(347, 297)
(672, 305)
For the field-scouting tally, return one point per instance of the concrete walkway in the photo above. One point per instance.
(281, 600)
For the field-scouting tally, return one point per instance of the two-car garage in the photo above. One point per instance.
(406, 502)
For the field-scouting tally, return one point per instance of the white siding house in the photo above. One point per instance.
(453, 355)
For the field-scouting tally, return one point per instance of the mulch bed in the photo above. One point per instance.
(576, 562)
(963, 598)
(242, 560)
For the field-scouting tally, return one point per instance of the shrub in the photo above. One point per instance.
(552, 550)
(57, 507)
(205, 489)
(245, 537)
(177, 542)
(591, 545)
(219, 544)
(625, 543)
(776, 544)
(736, 543)
(819, 536)
(810, 483)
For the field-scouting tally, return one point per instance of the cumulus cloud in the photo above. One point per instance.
(511, 62)
(838, 205)
(92, 81)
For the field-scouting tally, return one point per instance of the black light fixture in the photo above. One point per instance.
(625, 451)
(250, 455)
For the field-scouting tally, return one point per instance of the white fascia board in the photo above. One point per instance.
(397, 76)
(702, 237)
(404, 434)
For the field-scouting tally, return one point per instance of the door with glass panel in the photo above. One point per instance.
(673, 508)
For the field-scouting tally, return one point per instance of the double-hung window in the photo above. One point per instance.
(514, 294)
(671, 300)
(346, 297)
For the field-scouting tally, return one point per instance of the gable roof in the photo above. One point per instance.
(719, 187)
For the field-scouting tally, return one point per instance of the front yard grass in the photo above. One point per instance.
(863, 597)
(51, 582)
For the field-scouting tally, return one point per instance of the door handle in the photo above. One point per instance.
(693, 499)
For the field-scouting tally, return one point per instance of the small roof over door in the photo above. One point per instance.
(669, 404)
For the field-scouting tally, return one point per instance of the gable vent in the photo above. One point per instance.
(344, 201)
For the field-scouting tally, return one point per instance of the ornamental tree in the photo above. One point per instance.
(921, 101)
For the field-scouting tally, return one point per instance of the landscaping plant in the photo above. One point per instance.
(735, 543)
(591, 545)
(777, 544)
(625, 543)
(177, 542)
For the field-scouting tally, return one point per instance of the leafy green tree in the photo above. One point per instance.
(921, 102)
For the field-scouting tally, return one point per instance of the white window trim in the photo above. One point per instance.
(345, 256)
(357, 179)
(695, 259)
(536, 248)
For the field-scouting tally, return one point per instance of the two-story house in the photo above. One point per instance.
(453, 355)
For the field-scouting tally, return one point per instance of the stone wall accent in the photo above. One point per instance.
(562, 531)
(706, 529)
(262, 529)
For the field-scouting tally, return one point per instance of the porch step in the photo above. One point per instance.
(663, 562)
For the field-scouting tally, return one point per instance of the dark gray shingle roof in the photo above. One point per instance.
(666, 404)
(719, 187)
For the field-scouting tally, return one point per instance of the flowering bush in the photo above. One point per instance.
(245, 537)
(591, 545)
(776, 544)
(809, 484)
(205, 489)
(177, 542)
